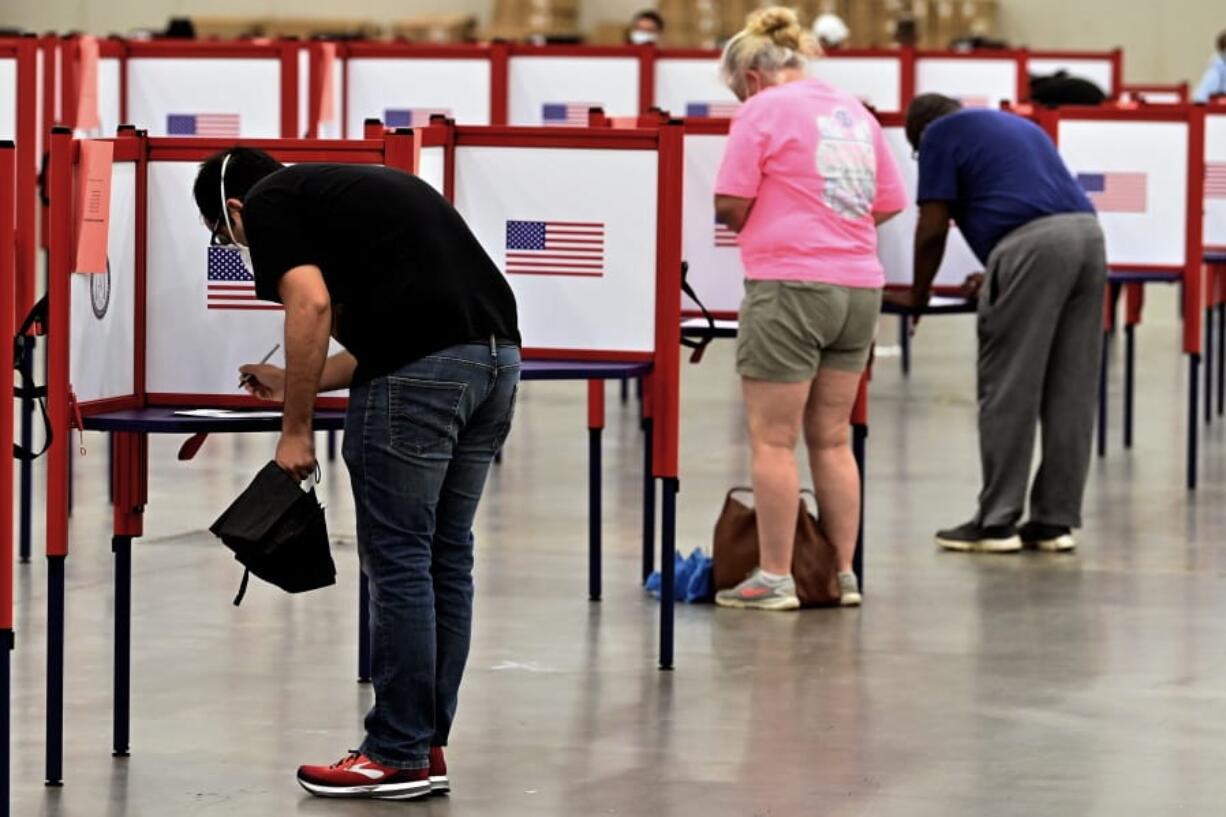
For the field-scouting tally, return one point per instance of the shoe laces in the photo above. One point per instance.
(348, 760)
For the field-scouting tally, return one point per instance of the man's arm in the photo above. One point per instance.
(338, 372)
(930, 234)
(732, 211)
(308, 321)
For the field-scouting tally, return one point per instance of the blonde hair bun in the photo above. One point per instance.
(780, 25)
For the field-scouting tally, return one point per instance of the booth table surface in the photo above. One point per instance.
(165, 421)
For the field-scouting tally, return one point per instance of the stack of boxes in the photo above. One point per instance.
(693, 23)
(443, 28)
(525, 19)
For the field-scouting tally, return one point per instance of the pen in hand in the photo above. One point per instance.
(244, 379)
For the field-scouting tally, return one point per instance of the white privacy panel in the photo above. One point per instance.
(977, 83)
(103, 346)
(1136, 174)
(8, 98)
(575, 233)
(1099, 71)
(715, 270)
(1215, 182)
(433, 168)
(191, 348)
(559, 90)
(205, 97)
(693, 87)
(877, 81)
(405, 92)
(896, 238)
(109, 100)
(327, 130)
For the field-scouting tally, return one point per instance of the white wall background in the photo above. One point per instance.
(1164, 40)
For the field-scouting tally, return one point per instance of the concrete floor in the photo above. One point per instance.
(1020, 685)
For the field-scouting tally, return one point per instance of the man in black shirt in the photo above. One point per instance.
(379, 260)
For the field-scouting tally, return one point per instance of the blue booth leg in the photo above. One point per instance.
(6, 723)
(55, 670)
(859, 449)
(121, 714)
(904, 343)
(1221, 359)
(1209, 365)
(331, 446)
(1193, 424)
(27, 442)
(1130, 375)
(668, 569)
(594, 557)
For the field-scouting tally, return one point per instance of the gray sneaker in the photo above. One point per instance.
(756, 593)
(849, 590)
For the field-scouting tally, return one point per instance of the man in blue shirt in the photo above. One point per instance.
(1213, 83)
(1000, 178)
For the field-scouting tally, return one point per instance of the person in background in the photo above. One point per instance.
(1061, 88)
(906, 32)
(1001, 179)
(383, 263)
(646, 28)
(806, 178)
(1213, 83)
(831, 32)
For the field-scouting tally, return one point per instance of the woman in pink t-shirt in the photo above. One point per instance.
(805, 180)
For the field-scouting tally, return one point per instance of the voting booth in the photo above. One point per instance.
(1215, 180)
(977, 79)
(160, 329)
(556, 86)
(404, 85)
(1104, 68)
(689, 83)
(883, 80)
(1144, 171)
(217, 90)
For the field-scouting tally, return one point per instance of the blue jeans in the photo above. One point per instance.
(419, 443)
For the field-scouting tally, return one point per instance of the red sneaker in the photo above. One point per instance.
(356, 775)
(439, 783)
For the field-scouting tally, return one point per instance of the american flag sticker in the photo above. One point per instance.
(1215, 180)
(1116, 192)
(712, 110)
(555, 248)
(724, 237)
(231, 285)
(566, 114)
(412, 117)
(217, 125)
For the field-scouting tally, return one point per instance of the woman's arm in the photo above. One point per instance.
(732, 211)
(882, 218)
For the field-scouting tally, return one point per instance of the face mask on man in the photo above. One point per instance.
(643, 37)
(243, 250)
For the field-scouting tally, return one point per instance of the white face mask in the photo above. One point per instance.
(641, 37)
(243, 250)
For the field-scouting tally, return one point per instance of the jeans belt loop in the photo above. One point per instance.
(494, 347)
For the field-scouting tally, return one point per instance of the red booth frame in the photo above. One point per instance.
(24, 51)
(1134, 276)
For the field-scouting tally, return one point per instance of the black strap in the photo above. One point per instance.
(23, 363)
(699, 344)
(242, 588)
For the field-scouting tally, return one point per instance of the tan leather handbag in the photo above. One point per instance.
(814, 563)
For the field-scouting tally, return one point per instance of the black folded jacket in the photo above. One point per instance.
(277, 531)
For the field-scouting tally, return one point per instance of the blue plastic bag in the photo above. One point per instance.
(692, 582)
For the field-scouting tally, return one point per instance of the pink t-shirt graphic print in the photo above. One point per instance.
(815, 163)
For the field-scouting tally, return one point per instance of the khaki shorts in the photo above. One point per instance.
(790, 329)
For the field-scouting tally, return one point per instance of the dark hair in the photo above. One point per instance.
(1221, 41)
(650, 14)
(923, 111)
(246, 167)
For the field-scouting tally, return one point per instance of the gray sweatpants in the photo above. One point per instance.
(1040, 336)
